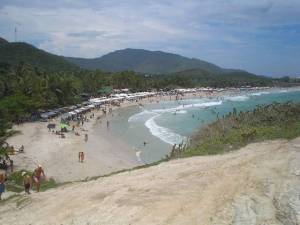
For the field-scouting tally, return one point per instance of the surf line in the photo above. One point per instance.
(163, 133)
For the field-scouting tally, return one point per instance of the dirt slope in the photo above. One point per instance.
(259, 184)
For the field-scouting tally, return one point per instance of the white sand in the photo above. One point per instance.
(59, 156)
(258, 184)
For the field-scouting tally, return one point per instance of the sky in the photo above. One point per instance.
(260, 36)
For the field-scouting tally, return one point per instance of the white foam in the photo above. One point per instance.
(283, 91)
(181, 107)
(140, 115)
(181, 112)
(239, 98)
(207, 104)
(163, 133)
(260, 93)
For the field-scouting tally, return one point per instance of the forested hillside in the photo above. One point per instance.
(230, 78)
(16, 52)
(144, 61)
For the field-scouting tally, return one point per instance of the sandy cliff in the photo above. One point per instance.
(259, 184)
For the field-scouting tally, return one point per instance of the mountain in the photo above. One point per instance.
(144, 61)
(16, 52)
(138, 60)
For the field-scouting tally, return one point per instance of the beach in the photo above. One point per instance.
(59, 156)
(104, 152)
(108, 151)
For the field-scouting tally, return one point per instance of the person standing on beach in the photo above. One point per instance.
(38, 175)
(27, 182)
(2, 184)
(107, 124)
(86, 137)
(79, 156)
(82, 157)
(11, 165)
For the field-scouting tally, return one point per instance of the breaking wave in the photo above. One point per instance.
(163, 133)
(140, 115)
(182, 107)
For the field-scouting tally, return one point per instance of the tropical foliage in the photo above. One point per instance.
(237, 129)
(24, 89)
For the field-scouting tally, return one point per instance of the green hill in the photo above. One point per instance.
(228, 78)
(16, 52)
(144, 61)
(3, 41)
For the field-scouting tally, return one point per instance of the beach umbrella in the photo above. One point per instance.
(63, 125)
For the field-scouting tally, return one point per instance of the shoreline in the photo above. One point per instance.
(105, 153)
(59, 156)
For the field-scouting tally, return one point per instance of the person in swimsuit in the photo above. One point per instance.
(38, 175)
(82, 157)
(2, 184)
(27, 182)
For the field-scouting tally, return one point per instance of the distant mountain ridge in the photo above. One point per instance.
(13, 53)
(145, 61)
(138, 60)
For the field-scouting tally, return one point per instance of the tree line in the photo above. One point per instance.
(25, 89)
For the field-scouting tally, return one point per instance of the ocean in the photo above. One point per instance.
(161, 125)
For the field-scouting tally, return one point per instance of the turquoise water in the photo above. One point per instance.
(164, 124)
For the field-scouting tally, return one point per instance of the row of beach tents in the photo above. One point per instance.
(67, 112)
(71, 111)
(122, 97)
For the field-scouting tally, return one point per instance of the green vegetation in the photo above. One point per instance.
(204, 78)
(236, 130)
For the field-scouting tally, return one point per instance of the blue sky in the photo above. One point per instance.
(260, 36)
